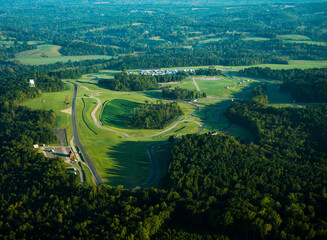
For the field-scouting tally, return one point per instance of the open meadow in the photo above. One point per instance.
(47, 53)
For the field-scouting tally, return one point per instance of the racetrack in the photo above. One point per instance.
(95, 174)
(149, 148)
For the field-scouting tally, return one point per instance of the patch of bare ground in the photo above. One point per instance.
(68, 111)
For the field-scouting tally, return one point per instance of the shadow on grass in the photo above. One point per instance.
(153, 94)
(131, 164)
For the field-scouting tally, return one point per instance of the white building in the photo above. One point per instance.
(32, 83)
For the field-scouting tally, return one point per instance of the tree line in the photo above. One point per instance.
(7, 52)
(82, 48)
(132, 82)
(155, 116)
(307, 85)
(181, 93)
(208, 72)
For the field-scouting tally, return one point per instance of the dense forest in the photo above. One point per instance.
(18, 88)
(155, 116)
(193, 59)
(181, 93)
(308, 85)
(132, 82)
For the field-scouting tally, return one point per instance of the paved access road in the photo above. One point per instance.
(96, 175)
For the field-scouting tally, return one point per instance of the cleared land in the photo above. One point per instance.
(293, 37)
(48, 53)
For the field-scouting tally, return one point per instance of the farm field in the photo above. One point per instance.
(293, 37)
(48, 53)
(256, 39)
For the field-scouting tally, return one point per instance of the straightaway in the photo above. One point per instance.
(96, 175)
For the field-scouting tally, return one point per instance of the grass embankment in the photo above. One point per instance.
(87, 173)
(119, 161)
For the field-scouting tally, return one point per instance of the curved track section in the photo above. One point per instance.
(150, 136)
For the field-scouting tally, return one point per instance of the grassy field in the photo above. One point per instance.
(49, 50)
(117, 112)
(218, 89)
(210, 40)
(48, 53)
(161, 152)
(11, 42)
(256, 39)
(128, 98)
(293, 37)
(121, 160)
(56, 101)
(303, 64)
(187, 83)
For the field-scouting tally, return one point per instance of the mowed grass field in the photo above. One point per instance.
(48, 53)
(118, 112)
(218, 88)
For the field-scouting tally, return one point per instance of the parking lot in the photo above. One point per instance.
(58, 151)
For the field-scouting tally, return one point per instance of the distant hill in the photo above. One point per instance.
(18, 3)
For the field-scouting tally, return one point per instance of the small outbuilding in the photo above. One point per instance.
(31, 83)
